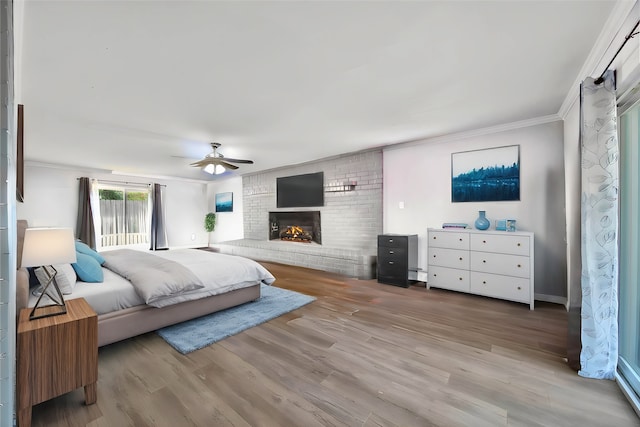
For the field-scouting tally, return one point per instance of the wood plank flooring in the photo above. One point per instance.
(363, 354)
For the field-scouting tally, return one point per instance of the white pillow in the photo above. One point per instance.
(66, 277)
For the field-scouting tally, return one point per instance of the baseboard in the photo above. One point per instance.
(551, 298)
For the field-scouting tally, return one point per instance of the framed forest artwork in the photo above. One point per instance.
(488, 175)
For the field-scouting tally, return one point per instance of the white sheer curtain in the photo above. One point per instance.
(600, 179)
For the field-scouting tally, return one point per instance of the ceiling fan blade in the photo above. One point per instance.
(226, 159)
(204, 162)
(227, 165)
(214, 161)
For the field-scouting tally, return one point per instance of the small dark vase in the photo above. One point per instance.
(482, 223)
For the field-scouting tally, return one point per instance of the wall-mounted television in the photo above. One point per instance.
(300, 190)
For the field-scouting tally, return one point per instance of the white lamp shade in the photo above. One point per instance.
(47, 246)
(214, 169)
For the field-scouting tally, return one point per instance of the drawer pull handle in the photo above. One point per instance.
(518, 244)
(434, 275)
(460, 239)
(484, 241)
(519, 288)
(434, 237)
(390, 240)
(519, 266)
(460, 258)
(484, 282)
(391, 262)
(391, 252)
(484, 261)
(459, 278)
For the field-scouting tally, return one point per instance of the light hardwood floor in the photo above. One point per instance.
(362, 354)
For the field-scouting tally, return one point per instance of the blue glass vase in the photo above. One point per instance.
(482, 223)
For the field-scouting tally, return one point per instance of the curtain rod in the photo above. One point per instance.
(633, 32)
(126, 182)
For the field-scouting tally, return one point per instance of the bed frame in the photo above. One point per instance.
(141, 319)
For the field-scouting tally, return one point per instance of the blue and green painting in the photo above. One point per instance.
(224, 202)
(486, 175)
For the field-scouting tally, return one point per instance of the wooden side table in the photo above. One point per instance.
(56, 355)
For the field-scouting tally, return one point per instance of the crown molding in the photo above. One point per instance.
(75, 168)
(601, 52)
(478, 132)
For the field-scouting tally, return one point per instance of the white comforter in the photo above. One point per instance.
(219, 273)
(216, 274)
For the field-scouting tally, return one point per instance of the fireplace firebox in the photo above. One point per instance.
(300, 226)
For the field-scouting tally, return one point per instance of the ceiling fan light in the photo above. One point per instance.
(219, 169)
(209, 169)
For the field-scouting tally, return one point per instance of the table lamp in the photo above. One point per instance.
(43, 247)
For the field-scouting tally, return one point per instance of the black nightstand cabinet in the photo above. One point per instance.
(397, 258)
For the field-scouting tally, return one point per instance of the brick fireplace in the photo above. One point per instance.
(351, 217)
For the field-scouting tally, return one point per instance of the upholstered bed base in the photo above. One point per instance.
(138, 320)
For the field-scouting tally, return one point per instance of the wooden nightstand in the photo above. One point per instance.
(56, 355)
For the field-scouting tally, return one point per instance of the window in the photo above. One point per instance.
(124, 215)
(629, 294)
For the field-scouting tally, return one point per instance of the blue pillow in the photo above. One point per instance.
(85, 249)
(87, 268)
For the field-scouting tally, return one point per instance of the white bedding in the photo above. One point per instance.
(115, 293)
(219, 273)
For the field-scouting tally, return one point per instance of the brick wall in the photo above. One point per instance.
(350, 219)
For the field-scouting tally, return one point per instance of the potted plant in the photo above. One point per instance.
(209, 225)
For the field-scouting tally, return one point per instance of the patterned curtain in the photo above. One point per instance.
(158, 229)
(600, 174)
(85, 226)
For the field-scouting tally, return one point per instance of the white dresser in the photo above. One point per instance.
(496, 264)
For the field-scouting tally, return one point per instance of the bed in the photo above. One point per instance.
(125, 311)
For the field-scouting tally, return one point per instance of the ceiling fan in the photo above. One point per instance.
(216, 163)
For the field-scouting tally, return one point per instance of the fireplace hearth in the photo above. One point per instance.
(301, 226)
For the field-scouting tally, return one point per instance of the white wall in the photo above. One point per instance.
(573, 195)
(51, 199)
(229, 225)
(419, 175)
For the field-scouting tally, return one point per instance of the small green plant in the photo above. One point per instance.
(209, 224)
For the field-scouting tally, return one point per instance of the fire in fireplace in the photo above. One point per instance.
(296, 234)
(300, 226)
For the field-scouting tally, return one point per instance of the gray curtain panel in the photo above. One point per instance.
(85, 230)
(158, 223)
(600, 181)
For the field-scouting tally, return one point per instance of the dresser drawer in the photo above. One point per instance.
(451, 240)
(453, 258)
(391, 262)
(448, 278)
(497, 286)
(510, 265)
(504, 244)
(392, 252)
(391, 241)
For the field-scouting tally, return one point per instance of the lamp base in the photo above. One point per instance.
(58, 307)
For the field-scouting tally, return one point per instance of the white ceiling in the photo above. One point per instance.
(127, 85)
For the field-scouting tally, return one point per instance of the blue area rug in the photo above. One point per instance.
(198, 333)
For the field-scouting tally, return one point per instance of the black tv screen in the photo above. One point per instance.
(300, 190)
